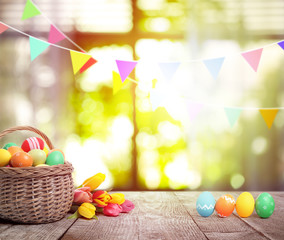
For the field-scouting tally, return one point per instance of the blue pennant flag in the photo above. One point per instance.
(281, 44)
(232, 114)
(214, 66)
(169, 69)
(37, 47)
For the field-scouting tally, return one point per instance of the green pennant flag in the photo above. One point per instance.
(37, 47)
(30, 10)
(232, 115)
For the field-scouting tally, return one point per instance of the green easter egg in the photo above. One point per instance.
(55, 158)
(38, 156)
(264, 205)
(7, 145)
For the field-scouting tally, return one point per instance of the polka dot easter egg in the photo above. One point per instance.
(32, 143)
(21, 159)
(264, 205)
(225, 205)
(245, 205)
(205, 204)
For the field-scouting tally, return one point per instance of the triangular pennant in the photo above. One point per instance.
(169, 69)
(78, 60)
(117, 83)
(281, 44)
(232, 114)
(269, 116)
(3, 28)
(125, 68)
(194, 109)
(37, 47)
(30, 10)
(88, 64)
(253, 58)
(214, 66)
(156, 99)
(55, 35)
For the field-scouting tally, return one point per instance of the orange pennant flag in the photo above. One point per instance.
(269, 116)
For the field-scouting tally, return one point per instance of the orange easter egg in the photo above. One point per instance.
(56, 149)
(21, 159)
(14, 149)
(225, 205)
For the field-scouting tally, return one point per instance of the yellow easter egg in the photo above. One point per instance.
(42, 165)
(245, 204)
(45, 150)
(5, 157)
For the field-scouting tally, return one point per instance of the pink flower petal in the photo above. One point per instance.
(112, 209)
(127, 206)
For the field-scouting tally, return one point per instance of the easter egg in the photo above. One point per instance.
(21, 159)
(38, 156)
(32, 143)
(55, 158)
(205, 204)
(7, 145)
(245, 204)
(225, 205)
(5, 157)
(14, 149)
(56, 149)
(45, 150)
(264, 205)
(42, 165)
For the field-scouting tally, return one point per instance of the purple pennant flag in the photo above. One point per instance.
(281, 44)
(169, 69)
(194, 109)
(125, 68)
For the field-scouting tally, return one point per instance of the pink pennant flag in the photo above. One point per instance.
(253, 58)
(194, 109)
(55, 35)
(125, 68)
(3, 28)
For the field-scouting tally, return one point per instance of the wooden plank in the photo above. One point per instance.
(215, 227)
(272, 227)
(49, 231)
(157, 215)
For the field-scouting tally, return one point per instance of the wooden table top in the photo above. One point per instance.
(158, 215)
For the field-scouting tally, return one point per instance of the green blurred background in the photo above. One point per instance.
(119, 134)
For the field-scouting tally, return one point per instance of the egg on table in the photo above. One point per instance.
(245, 204)
(205, 204)
(225, 205)
(55, 158)
(21, 159)
(5, 157)
(264, 205)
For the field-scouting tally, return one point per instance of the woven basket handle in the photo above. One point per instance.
(27, 128)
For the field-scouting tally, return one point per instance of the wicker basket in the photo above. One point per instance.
(35, 194)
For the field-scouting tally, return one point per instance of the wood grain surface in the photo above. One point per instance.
(158, 215)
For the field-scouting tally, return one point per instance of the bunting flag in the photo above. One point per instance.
(30, 10)
(169, 69)
(117, 83)
(214, 66)
(55, 35)
(233, 114)
(269, 116)
(194, 109)
(281, 44)
(88, 64)
(253, 58)
(3, 28)
(156, 99)
(125, 68)
(37, 47)
(78, 60)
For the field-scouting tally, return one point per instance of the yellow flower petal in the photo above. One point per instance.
(87, 210)
(117, 198)
(94, 181)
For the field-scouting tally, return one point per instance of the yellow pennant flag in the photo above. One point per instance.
(117, 83)
(268, 116)
(78, 60)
